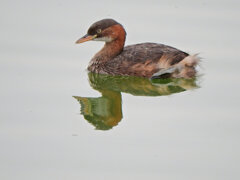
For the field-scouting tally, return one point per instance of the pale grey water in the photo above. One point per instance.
(189, 135)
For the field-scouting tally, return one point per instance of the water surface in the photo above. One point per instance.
(59, 122)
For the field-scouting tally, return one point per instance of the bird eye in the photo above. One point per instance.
(99, 31)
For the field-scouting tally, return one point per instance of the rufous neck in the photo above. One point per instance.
(111, 49)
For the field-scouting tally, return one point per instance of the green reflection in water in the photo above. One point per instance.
(106, 111)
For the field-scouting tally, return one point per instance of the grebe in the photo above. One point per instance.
(150, 60)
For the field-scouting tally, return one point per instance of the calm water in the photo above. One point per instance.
(59, 122)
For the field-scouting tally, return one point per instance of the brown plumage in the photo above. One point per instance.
(149, 60)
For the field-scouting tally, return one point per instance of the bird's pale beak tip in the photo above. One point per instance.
(84, 39)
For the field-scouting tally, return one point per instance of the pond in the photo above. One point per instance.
(58, 121)
(106, 111)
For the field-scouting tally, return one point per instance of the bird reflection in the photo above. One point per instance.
(106, 111)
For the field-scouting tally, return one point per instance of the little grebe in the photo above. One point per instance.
(149, 60)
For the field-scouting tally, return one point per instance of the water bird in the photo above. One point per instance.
(149, 60)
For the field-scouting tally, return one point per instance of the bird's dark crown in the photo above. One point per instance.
(100, 26)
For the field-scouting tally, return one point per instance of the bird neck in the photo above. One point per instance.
(111, 49)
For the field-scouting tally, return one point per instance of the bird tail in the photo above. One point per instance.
(187, 67)
(190, 61)
(183, 69)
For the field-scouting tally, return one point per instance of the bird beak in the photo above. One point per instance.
(86, 38)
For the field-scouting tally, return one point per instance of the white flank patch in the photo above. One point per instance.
(191, 60)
